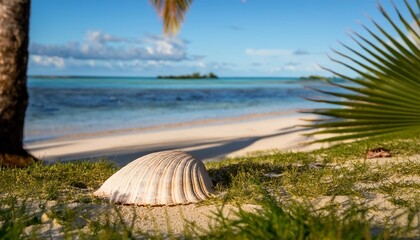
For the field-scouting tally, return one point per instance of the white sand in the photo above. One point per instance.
(208, 140)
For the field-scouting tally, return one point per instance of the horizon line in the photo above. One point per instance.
(113, 76)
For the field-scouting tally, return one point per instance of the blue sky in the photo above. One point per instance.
(277, 38)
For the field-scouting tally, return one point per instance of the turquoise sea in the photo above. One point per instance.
(63, 106)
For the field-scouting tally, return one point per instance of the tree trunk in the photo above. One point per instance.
(14, 31)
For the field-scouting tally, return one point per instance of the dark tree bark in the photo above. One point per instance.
(14, 31)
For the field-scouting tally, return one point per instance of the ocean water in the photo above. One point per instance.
(65, 106)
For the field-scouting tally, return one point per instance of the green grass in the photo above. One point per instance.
(69, 182)
(286, 184)
(325, 172)
(274, 221)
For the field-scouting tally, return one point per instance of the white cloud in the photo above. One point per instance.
(115, 65)
(296, 67)
(48, 61)
(91, 63)
(290, 68)
(201, 64)
(103, 46)
(312, 67)
(275, 52)
(268, 52)
(301, 52)
(102, 38)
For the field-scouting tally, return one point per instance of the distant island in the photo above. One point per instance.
(190, 76)
(315, 77)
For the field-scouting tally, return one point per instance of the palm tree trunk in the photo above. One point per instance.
(14, 31)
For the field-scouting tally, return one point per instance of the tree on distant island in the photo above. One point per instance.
(14, 39)
(212, 75)
(315, 77)
(190, 76)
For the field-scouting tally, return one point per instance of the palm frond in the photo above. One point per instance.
(387, 98)
(172, 13)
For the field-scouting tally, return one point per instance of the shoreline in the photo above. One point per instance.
(165, 126)
(208, 139)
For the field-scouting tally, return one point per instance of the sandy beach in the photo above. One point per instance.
(208, 140)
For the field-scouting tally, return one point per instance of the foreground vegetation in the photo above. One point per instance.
(333, 193)
(384, 98)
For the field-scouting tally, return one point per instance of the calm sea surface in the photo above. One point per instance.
(62, 106)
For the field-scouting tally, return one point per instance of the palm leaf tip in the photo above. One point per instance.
(172, 13)
(387, 99)
(415, 30)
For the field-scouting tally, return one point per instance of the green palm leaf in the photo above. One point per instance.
(387, 99)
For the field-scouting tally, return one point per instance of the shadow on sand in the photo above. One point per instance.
(206, 150)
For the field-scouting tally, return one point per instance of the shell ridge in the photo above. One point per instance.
(153, 191)
(164, 187)
(148, 170)
(178, 179)
(196, 187)
(131, 183)
(108, 188)
(136, 183)
(206, 186)
(175, 178)
(200, 191)
(202, 184)
(149, 189)
(178, 186)
(192, 192)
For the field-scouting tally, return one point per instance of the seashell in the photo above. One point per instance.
(162, 178)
